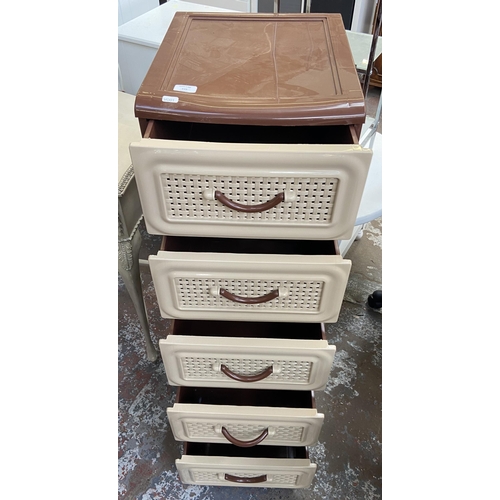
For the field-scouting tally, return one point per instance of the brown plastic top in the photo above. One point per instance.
(254, 69)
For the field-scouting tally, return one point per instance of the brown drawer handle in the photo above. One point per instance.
(215, 291)
(262, 207)
(246, 378)
(236, 479)
(244, 444)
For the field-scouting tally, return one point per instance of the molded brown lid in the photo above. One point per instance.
(261, 69)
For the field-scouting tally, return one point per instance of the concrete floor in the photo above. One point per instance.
(349, 452)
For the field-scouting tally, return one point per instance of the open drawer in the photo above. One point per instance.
(245, 418)
(228, 465)
(247, 355)
(249, 280)
(249, 181)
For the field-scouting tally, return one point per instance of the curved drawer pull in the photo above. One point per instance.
(279, 292)
(262, 207)
(244, 444)
(250, 300)
(246, 378)
(236, 479)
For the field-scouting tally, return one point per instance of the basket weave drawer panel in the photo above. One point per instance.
(203, 476)
(196, 368)
(285, 478)
(314, 198)
(245, 432)
(195, 293)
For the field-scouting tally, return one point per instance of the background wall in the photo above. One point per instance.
(362, 16)
(130, 9)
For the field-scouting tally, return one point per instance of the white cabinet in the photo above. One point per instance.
(237, 5)
(139, 39)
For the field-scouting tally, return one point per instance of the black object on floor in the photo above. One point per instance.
(375, 299)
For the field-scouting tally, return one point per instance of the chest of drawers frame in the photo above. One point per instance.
(251, 192)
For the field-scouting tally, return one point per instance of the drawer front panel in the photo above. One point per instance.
(204, 286)
(222, 471)
(321, 186)
(197, 294)
(198, 361)
(201, 367)
(281, 426)
(188, 198)
(208, 432)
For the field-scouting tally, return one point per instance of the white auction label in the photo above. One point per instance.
(191, 89)
(168, 98)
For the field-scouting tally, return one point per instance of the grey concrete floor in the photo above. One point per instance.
(349, 451)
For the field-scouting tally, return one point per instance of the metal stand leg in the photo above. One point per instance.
(369, 135)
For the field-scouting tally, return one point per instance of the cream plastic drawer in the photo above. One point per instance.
(249, 280)
(218, 182)
(247, 355)
(228, 465)
(245, 418)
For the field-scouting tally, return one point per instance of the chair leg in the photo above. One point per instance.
(128, 267)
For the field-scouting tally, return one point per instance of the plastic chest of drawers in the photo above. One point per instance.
(249, 165)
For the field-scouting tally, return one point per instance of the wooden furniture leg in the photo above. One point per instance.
(128, 267)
